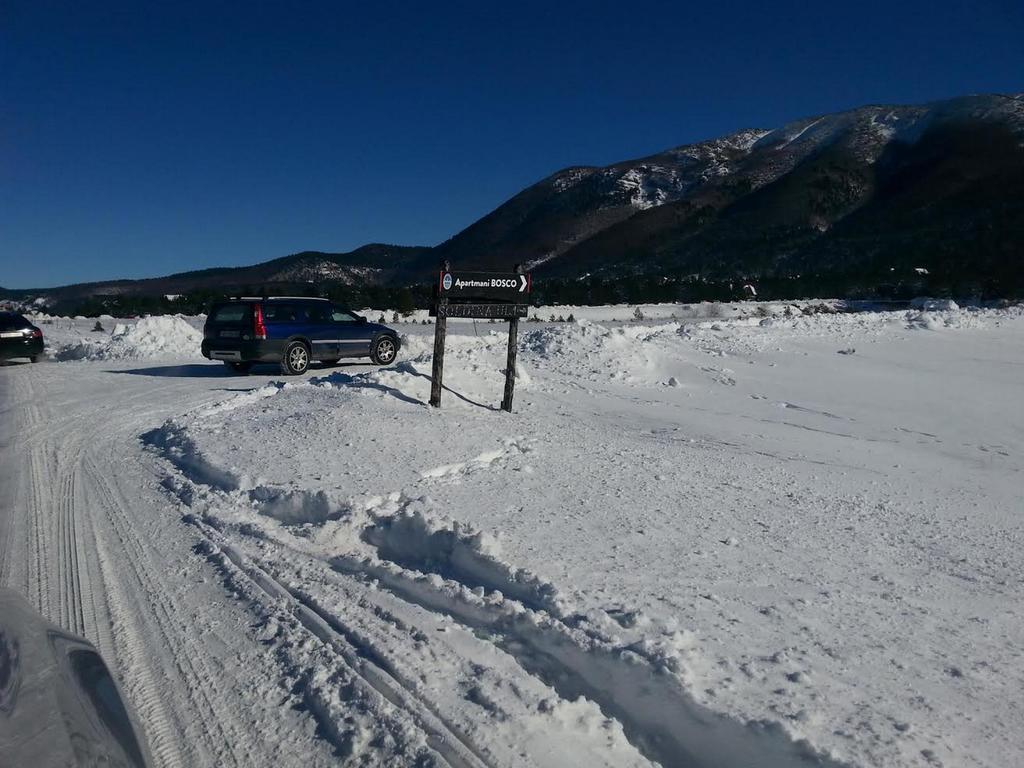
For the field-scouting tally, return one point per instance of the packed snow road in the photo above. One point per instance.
(755, 541)
(87, 535)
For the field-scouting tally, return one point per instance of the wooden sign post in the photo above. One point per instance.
(437, 372)
(510, 364)
(498, 295)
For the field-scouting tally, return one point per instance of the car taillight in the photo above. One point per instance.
(36, 333)
(259, 330)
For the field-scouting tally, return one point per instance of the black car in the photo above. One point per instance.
(19, 338)
(292, 331)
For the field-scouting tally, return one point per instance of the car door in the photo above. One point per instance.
(322, 332)
(352, 332)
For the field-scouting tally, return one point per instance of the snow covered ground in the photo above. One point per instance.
(766, 538)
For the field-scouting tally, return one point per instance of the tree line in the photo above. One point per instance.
(594, 290)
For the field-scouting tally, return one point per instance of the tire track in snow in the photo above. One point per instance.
(87, 616)
(30, 501)
(657, 715)
(56, 587)
(7, 534)
(137, 675)
(68, 562)
(444, 737)
(100, 622)
(64, 565)
(38, 574)
(223, 736)
(10, 485)
(478, 671)
(74, 548)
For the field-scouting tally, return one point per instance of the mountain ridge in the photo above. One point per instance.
(867, 189)
(717, 178)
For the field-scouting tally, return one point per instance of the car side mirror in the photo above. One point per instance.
(361, 320)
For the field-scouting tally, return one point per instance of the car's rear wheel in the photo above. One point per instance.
(296, 359)
(384, 351)
(238, 367)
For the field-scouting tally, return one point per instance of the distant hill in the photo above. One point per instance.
(375, 264)
(848, 198)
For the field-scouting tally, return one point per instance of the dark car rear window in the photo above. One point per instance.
(230, 313)
(12, 322)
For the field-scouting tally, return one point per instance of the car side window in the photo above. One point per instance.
(318, 314)
(283, 313)
(339, 315)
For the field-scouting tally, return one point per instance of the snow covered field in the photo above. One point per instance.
(766, 538)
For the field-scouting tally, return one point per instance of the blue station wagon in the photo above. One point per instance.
(292, 331)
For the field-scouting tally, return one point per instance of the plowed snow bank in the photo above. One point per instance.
(149, 338)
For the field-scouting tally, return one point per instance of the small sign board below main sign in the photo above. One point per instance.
(510, 287)
(477, 310)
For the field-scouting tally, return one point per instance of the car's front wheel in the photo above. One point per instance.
(384, 351)
(296, 359)
(34, 359)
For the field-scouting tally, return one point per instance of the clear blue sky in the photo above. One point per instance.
(138, 139)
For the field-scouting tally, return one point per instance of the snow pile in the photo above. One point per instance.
(934, 305)
(632, 354)
(474, 368)
(409, 533)
(154, 337)
(937, 320)
(149, 338)
(79, 349)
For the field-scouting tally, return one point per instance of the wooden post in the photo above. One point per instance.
(510, 366)
(440, 329)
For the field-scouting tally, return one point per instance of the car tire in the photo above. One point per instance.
(242, 368)
(331, 361)
(295, 361)
(384, 351)
(34, 359)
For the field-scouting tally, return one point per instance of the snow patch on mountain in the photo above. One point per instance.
(648, 186)
(324, 269)
(570, 178)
